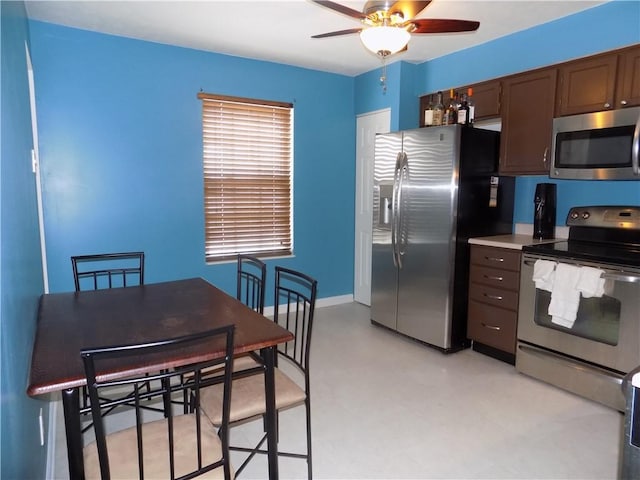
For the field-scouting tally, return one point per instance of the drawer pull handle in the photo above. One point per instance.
(492, 277)
(494, 259)
(491, 327)
(493, 297)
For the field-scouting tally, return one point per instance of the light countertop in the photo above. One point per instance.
(513, 241)
(523, 236)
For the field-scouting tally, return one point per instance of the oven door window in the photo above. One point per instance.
(598, 318)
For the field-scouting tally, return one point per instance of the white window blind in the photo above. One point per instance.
(247, 158)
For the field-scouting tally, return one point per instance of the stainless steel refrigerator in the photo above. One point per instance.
(434, 188)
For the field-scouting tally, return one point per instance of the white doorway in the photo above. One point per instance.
(367, 126)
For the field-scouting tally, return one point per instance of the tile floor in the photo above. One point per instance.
(385, 407)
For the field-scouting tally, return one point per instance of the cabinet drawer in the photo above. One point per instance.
(493, 277)
(496, 257)
(492, 326)
(494, 296)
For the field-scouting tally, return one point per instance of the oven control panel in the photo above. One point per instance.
(606, 216)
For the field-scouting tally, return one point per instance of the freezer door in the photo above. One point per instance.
(425, 282)
(384, 273)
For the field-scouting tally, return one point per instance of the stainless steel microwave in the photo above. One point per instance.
(597, 146)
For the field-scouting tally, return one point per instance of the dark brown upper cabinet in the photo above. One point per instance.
(528, 101)
(486, 99)
(587, 85)
(628, 84)
(601, 82)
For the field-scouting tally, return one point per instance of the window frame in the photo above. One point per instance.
(244, 163)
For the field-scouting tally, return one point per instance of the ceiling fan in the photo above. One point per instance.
(387, 26)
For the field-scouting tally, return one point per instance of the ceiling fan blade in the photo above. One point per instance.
(439, 25)
(350, 12)
(340, 32)
(409, 9)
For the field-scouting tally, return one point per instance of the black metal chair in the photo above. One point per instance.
(295, 297)
(177, 446)
(106, 270)
(251, 280)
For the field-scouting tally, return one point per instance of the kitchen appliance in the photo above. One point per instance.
(597, 146)
(590, 356)
(630, 465)
(544, 211)
(434, 188)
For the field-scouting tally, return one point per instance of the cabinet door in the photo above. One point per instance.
(528, 101)
(587, 85)
(486, 98)
(628, 86)
(492, 326)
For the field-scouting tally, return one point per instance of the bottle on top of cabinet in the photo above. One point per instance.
(466, 110)
(428, 113)
(463, 110)
(438, 111)
(450, 113)
(471, 114)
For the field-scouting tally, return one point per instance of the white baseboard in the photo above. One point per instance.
(321, 302)
(51, 440)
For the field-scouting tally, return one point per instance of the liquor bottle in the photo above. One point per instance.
(463, 110)
(438, 111)
(450, 113)
(472, 108)
(428, 113)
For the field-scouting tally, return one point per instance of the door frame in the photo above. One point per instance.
(367, 126)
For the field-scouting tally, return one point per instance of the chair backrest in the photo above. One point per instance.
(162, 386)
(294, 306)
(107, 270)
(252, 275)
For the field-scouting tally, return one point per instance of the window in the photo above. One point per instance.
(248, 163)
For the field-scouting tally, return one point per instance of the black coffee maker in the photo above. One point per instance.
(544, 211)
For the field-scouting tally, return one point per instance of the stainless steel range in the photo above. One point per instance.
(588, 340)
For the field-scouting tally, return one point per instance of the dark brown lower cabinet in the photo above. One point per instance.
(494, 282)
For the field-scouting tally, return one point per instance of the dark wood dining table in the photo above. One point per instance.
(69, 322)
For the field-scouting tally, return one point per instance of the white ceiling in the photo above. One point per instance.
(280, 31)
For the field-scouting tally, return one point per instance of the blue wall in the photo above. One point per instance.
(121, 148)
(20, 265)
(612, 25)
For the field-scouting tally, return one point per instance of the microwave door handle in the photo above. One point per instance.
(635, 149)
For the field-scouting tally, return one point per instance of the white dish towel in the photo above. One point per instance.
(591, 283)
(565, 296)
(543, 274)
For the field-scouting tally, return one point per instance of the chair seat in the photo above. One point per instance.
(248, 397)
(123, 458)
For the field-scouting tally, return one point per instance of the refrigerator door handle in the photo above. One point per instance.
(394, 209)
(400, 238)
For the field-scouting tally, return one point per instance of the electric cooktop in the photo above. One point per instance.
(609, 234)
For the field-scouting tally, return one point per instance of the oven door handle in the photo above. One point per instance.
(622, 277)
(618, 277)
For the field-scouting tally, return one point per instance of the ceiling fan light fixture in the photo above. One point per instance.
(384, 40)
